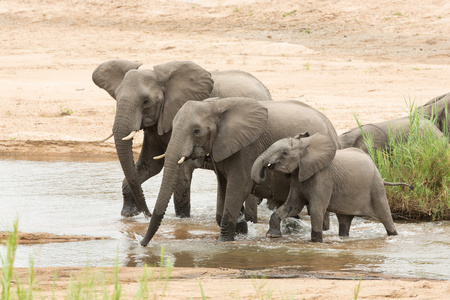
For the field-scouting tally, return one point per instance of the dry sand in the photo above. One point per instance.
(342, 57)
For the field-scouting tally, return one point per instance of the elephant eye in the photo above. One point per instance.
(146, 101)
(284, 153)
(196, 131)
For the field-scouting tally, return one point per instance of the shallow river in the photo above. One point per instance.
(84, 198)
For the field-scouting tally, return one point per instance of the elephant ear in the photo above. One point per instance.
(319, 151)
(109, 74)
(183, 81)
(443, 117)
(242, 122)
(379, 137)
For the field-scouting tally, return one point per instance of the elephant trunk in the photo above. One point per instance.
(170, 173)
(259, 168)
(122, 128)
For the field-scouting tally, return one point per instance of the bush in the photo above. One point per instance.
(422, 160)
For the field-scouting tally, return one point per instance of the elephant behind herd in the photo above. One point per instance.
(219, 120)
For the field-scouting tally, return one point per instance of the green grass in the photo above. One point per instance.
(424, 161)
(87, 284)
(289, 13)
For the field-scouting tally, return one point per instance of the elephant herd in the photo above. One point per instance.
(284, 151)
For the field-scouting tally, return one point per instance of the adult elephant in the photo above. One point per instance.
(438, 111)
(149, 99)
(232, 133)
(383, 132)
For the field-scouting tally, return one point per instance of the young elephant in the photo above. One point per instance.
(382, 132)
(345, 182)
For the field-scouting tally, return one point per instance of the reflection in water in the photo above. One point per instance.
(79, 197)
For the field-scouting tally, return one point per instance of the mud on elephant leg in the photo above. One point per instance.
(274, 226)
(129, 208)
(251, 208)
(241, 224)
(344, 224)
(326, 219)
(182, 190)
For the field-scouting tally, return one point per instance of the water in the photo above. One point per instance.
(84, 198)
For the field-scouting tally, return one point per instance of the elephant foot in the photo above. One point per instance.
(183, 211)
(182, 207)
(183, 215)
(273, 233)
(241, 228)
(344, 230)
(225, 238)
(129, 210)
(326, 222)
(392, 232)
(316, 237)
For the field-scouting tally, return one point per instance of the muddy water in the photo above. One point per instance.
(84, 198)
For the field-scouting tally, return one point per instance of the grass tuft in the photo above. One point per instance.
(422, 160)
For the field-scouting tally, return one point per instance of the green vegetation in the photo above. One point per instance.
(357, 289)
(64, 111)
(86, 285)
(290, 13)
(424, 161)
(307, 65)
(91, 285)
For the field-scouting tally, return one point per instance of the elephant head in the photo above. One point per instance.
(147, 98)
(355, 137)
(216, 128)
(438, 111)
(303, 153)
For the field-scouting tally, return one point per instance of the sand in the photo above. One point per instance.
(346, 58)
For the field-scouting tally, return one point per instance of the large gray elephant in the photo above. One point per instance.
(345, 182)
(382, 132)
(231, 133)
(149, 99)
(438, 111)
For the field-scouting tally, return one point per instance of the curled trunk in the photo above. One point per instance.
(259, 168)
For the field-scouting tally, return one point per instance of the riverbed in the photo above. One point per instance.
(83, 197)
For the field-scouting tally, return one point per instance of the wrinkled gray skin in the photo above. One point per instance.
(380, 132)
(233, 132)
(438, 110)
(345, 182)
(149, 100)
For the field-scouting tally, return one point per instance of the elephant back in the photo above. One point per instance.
(291, 117)
(235, 83)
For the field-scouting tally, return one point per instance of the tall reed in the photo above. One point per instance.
(422, 160)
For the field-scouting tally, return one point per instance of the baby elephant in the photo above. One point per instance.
(345, 182)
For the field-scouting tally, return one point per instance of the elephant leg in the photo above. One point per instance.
(326, 219)
(241, 224)
(129, 208)
(344, 224)
(383, 213)
(251, 208)
(221, 188)
(292, 207)
(182, 191)
(238, 188)
(318, 204)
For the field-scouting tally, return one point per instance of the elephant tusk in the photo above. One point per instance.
(160, 156)
(130, 136)
(106, 138)
(181, 160)
(268, 165)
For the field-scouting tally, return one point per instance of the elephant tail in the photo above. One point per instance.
(398, 183)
